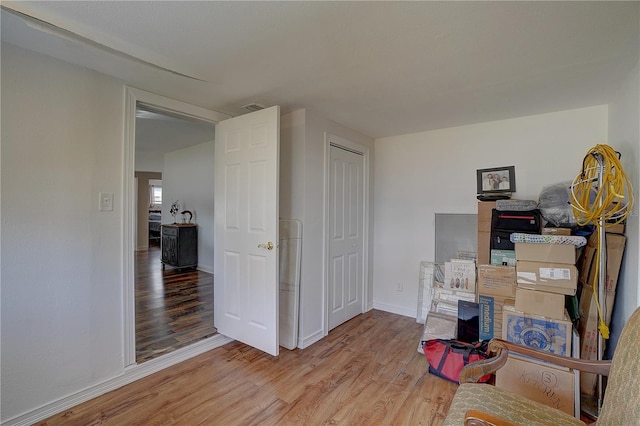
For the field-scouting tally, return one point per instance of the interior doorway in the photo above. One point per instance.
(169, 308)
(255, 209)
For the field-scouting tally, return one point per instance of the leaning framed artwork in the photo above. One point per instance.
(496, 180)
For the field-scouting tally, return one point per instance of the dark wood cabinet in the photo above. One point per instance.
(180, 245)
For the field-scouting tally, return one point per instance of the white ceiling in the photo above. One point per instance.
(162, 132)
(383, 68)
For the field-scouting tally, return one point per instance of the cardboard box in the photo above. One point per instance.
(559, 278)
(491, 307)
(497, 280)
(585, 263)
(588, 330)
(460, 275)
(556, 253)
(546, 334)
(556, 231)
(588, 324)
(541, 382)
(503, 257)
(485, 208)
(615, 251)
(484, 246)
(618, 228)
(588, 309)
(550, 305)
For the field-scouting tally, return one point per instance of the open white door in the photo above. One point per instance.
(246, 228)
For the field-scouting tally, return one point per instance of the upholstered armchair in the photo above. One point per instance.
(483, 404)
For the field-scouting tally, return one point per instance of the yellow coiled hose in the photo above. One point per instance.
(604, 205)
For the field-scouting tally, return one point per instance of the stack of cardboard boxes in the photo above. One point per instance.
(545, 273)
(522, 294)
(496, 289)
(496, 277)
(525, 304)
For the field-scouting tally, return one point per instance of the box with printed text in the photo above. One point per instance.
(503, 257)
(541, 382)
(490, 312)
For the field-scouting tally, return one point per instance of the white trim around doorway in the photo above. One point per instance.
(133, 97)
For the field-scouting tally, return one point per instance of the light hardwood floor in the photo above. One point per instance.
(365, 372)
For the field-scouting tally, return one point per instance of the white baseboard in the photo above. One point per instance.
(129, 375)
(400, 310)
(305, 342)
(205, 268)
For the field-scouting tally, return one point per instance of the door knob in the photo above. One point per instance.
(268, 246)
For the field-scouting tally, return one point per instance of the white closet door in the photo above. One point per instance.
(346, 242)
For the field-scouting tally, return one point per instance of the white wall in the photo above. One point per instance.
(149, 161)
(188, 177)
(62, 317)
(624, 136)
(420, 174)
(302, 170)
(292, 165)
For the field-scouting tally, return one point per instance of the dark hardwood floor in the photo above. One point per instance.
(365, 372)
(173, 309)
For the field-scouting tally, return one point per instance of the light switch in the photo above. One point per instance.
(106, 202)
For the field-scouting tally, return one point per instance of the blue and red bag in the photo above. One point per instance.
(446, 358)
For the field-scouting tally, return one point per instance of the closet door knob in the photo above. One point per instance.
(268, 246)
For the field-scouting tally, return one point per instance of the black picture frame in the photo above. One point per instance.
(506, 182)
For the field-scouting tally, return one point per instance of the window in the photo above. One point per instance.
(156, 195)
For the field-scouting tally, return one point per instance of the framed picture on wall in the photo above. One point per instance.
(498, 180)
